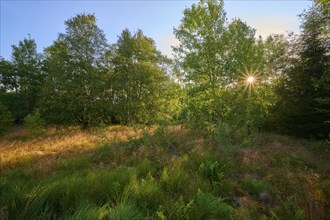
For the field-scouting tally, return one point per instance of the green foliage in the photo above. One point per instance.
(174, 181)
(82, 80)
(61, 193)
(145, 167)
(289, 211)
(231, 136)
(142, 91)
(86, 211)
(211, 171)
(22, 79)
(74, 91)
(145, 192)
(250, 212)
(34, 124)
(74, 164)
(216, 58)
(182, 210)
(125, 211)
(303, 107)
(6, 119)
(149, 182)
(254, 187)
(201, 46)
(207, 206)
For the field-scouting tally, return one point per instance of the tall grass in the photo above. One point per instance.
(167, 174)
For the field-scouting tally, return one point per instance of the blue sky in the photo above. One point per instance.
(45, 19)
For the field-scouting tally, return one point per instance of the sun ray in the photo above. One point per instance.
(248, 79)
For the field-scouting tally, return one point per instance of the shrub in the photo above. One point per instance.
(6, 119)
(145, 167)
(211, 170)
(146, 193)
(174, 181)
(229, 136)
(109, 185)
(208, 206)
(181, 210)
(34, 124)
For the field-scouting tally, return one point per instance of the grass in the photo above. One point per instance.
(121, 172)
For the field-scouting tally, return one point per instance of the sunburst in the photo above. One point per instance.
(249, 78)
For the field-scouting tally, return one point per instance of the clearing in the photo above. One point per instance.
(121, 172)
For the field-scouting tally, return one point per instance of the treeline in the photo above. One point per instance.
(81, 79)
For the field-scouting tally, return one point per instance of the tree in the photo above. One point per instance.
(215, 60)
(200, 55)
(242, 52)
(8, 77)
(139, 81)
(76, 84)
(6, 119)
(304, 100)
(22, 79)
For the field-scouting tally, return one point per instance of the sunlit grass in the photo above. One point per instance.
(164, 173)
(17, 147)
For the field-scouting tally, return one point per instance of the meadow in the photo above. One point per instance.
(163, 172)
(231, 126)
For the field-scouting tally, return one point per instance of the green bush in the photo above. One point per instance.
(181, 210)
(146, 193)
(145, 167)
(211, 170)
(231, 135)
(174, 181)
(34, 124)
(223, 134)
(208, 206)
(6, 119)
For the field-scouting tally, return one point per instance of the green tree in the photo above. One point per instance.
(215, 60)
(275, 49)
(140, 85)
(304, 92)
(201, 58)
(6, 119)
(34, 124)
(242, 52)
(8, 77)
(22, 79)
(76, 84)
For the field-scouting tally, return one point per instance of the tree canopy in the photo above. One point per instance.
(224, 80)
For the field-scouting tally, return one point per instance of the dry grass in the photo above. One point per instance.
(291, 166)
(286, 169)
(17, 148)
(288, 165)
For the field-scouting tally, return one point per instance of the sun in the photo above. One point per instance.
(250, 79)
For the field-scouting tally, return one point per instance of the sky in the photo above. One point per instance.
(44, 20)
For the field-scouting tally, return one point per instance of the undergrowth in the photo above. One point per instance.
(173, 174)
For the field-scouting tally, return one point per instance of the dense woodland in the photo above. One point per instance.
(81, 79)
(234, 127)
